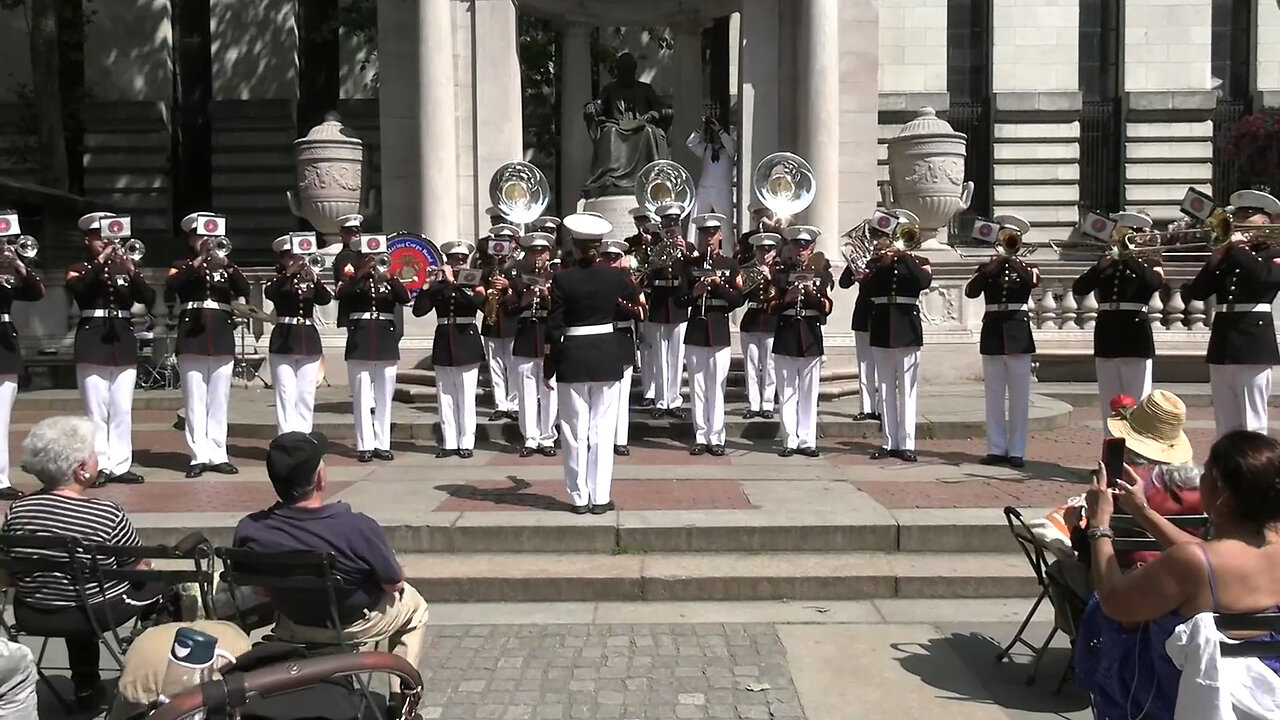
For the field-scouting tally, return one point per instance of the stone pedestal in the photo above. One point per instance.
(616, 209)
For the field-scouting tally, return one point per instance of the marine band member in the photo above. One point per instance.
(498, 329)
(18, 283)
(801, 302)
(639, 246)
(762, 221)
(294, 346)
(586, 361)
(1005, 283)
(1242, 278)
(668, 316)
(348, 256)
(456, 351)
(715, 291)
(868, 388)
(1123, 344)
(204, 285)
(371, 297)
(528, 302)
(757, 327)
(613, 253)
(895, 278)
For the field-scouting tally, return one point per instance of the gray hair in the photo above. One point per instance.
(1183, 476)
(55, 446)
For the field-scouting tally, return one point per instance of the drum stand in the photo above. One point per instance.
(242, 370)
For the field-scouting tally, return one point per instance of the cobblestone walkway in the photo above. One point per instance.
(623, 672)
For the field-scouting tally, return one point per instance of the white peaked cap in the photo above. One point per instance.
(189, 222)
(802, 232)
(547, 220)
(353, 220)
(281, 243)
(1265, 202)
(615, 246)
(1138, 221)
(1013, 221)
(710, 220)
(669, 209)
(536, 240)
(906, 216)
(457, 247)
(767, 239)
(504, 229)
(92, 221)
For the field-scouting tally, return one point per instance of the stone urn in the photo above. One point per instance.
(926, 173)
(330, 165)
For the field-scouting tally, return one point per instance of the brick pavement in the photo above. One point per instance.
(666, 494)
(636, 672)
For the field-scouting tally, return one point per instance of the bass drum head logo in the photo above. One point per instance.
(412, 257)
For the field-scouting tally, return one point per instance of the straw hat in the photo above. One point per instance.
(1153, 428)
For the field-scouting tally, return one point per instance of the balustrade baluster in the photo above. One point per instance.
(1197, 315)
(1070, 310)
(1173, 310)
(1046, 307)
(1088, 311)
(1155, 312)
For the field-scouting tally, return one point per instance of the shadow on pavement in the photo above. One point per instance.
(514, 495)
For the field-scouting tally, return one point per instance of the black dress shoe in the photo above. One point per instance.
(128, 477)
(809, 452)
(658, 414)
(527, 451)
(750, 414)
(906, 455)
(875, 416)
(1015, 461)
(548, 451)
(602, 509)
(786, 452)
(10, 493)
(580, 509)
(193, 471)
(863, 416)
(446, 453)
(91, 697)
(698, 449)
(364, 456)
(992, 459)
(497, 415)
(647, 403)
(466, 454)
(224, 468)
(766, 414)
(621, 450)
(881, 453)
(677, 414)
(383, 455)
(716, 451)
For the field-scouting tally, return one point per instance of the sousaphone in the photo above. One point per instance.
(519, 191)
(784, 183)
(662, 182)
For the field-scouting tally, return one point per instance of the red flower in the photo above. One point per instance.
(1122, 402)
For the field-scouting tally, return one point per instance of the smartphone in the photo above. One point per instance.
(1113, 459)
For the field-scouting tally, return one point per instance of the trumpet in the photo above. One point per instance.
(382, 263)
(24, 247)
(318, 263)
(134, 249)
(1009, 244)
(753, 276)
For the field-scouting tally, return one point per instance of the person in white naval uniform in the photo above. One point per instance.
(717, 150)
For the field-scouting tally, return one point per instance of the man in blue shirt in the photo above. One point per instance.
(374, 603)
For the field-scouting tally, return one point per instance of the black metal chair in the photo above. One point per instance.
(1249, 623)
(1131, 537)
(1034, 553)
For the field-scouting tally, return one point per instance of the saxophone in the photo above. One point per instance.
(492, 300)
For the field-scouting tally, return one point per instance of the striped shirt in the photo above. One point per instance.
(90, 520)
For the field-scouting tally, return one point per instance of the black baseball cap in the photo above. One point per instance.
(292, 460)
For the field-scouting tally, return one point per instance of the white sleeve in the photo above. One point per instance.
(730, 145)
(696, 143)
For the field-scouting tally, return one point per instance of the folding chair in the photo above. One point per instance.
(1249, 623)
(127, 557)
(1130, 537)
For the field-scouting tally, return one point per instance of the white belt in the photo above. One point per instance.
(665, 283)
(205, 305)
(896, 300)
(458, 320)
(622, 325)
(588, 330)
(102, 313)
(801, 313)
(4, 318)
(531, 315)
(293, 321)
(717, 302)
(371, 316)
(755, 306)
(1131, 307)
(1242, 307)
(1006, 307)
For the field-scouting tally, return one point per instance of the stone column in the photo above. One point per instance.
(1267, 67)
(757, 94)
(688, 94)
(497, 113)
(575, 92)
(437, 122)
(819, 140)
(398, 119)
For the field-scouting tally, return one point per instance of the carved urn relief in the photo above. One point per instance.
(926, 172)
(330, 164)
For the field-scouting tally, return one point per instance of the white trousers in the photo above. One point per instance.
(623, 434)
(798, 399)
(372, 386)
(708, 374)
(108, 401)
(1131, 376)
(667, 341)
(762, 377)
(587, 426)
(206, 387)
(718, 199)
(8, 394)
(1007, 376)
(868, 388)
(897, 372)
(648, 363)
(456, 395)
(1240, 395)
(501, 362)
(294, 378)
(537, 404)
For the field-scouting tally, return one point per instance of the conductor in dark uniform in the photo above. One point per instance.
(1005, 283)
(585, 361)
(802, 302)
(348, 256)
(668, 316)
(456, 351)
(1123, 344)
(757, 326)
(1243, 279)
(715, 290)
(295, 351)
(372, 296)
(18, 283)
(204, 286)
(895, 278)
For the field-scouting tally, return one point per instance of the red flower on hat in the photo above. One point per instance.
(1122, 404)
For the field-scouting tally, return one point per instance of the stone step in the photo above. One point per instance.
(828, 390)
(736, 379)
(63, 401)
(717, 576)
(1084, 395)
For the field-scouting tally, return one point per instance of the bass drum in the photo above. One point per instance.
(412, 257)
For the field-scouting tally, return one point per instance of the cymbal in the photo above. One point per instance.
(249, 312)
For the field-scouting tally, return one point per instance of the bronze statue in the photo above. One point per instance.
(628, 125)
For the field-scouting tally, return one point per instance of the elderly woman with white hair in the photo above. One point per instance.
(59, 452)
